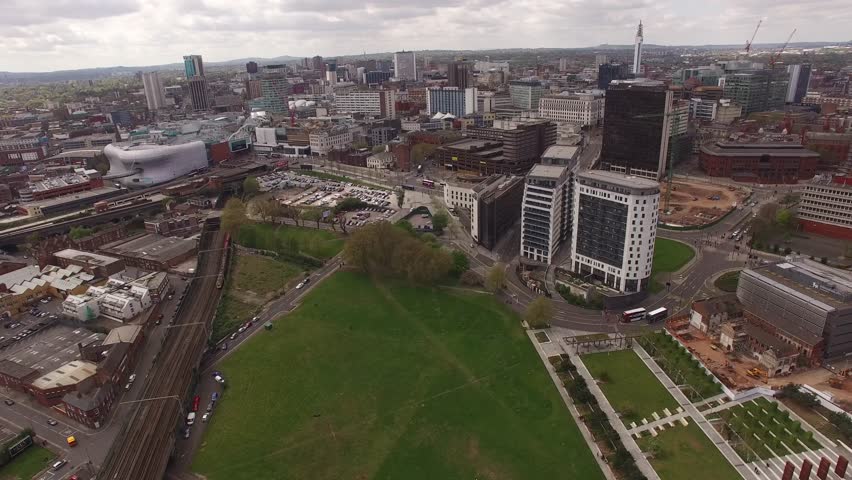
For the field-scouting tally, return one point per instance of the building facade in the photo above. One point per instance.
(375, 103)
(771, 163)
(455, 101)
(460, 74)
(154, 94)
(803, 301)
(615, 226)
(546, 212)
(636, 131)
(607, 72)
(586, 109)
(405, 66)
(757, 90)
(826, 207)
(199, 94)
(525, 94)
(800, 77)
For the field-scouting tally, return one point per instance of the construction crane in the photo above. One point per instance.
(748, 43)
(777, 54)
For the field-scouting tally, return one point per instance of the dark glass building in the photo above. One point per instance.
(460, 74)
(636, 128)
(608, 72)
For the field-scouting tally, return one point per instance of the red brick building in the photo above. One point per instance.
(834, 148)
(759, 162)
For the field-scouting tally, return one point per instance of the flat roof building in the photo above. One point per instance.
(826, 206)
(152, 251)
(92, 263)
(803, 300)
(759, 162)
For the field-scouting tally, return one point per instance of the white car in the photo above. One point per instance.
(132, 378)
(205, 417)
(219, 379)
(300, 285)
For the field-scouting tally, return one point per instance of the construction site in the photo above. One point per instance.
(693, 203)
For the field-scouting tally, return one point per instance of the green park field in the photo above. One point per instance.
(26, 465)
(320, 244)
(370, 380)
(685, 453)
(669, 256)
(630, 387)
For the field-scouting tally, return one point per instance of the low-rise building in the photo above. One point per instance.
(174, 224)
(22, 287)
(94, 264)
(709, 314)
(153, 252)
(826, 206)
(80, 181)
(771, 163)
(117, 299)
(381, 160)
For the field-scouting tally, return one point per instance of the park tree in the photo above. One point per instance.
(407, 226)
(313, 215)
(784, 219)
(234, 216)
(495, 280)
(400, 197)
(250, 187)
(422, 151)
(461, 263)
(267, 209)
(539, 313)
(440, 221)
(348, 204)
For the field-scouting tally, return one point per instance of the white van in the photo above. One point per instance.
(190, 419)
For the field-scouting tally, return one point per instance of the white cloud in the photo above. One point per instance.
(63, 34)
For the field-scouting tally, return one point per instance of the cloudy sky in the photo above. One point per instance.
(43, 35)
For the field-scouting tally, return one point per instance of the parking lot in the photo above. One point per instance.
(298, 190)
(50, 347)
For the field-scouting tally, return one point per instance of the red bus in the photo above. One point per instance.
(428, 183)
(196, 402)
(633, 315)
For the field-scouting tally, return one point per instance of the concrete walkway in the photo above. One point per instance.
(627, 439)
(553, 349)
(663, 422)
(697, 417)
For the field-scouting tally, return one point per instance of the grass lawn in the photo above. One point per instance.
(339, 178)
(685, 453)
(817, 418)
(320, 244)
(27, 464)
(630, 387)
(230, 315)
(680, 366)
(387, 381)
(669, 256)
(727, 282)
(262, 275)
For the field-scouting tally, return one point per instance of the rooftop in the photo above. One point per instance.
(547, 171)
(619, 179)
(85, 257)
(15, 370)
(153, 247)
(758, 149)
(826, 287)
(95, 192)
(68, 374)
(123, 334)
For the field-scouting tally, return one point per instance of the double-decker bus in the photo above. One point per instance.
(657, 315)
(633, 315)
(428, 183)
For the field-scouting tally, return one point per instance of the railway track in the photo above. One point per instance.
(143, 447)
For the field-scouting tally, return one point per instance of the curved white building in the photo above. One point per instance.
(143, 164)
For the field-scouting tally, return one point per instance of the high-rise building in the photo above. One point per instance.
(405, 65)
(193, 66)
(601, 60)
(154, 94)
(251, 67)
(460, 74)
(546, 212)
(637, 128)
(614, 229)
(331, 72)
(274, 89)
(583, 108)
(637, 50)
(492, 205)
(452, 100)
(525, 94)
(607, 72)
(198, 93)
(376, 103)
(377, 77)
(563, 64)
(757, 90)
(800, 77)
(317, 64)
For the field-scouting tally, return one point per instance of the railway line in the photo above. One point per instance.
(142, 449)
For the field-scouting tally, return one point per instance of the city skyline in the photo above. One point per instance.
(59, 35)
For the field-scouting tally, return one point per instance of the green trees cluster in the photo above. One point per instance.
(250, 187)
(77, 233)
(461, 263)
(440, 220)
(495, 279)
(349, 204)
(234, 216)
(385, 250)
(539, 313)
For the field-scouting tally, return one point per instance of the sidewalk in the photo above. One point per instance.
(587, 435)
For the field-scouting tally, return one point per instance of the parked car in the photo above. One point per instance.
(186, 432)
(234, 335)
(52, 422)
(132, 378)
(57, 465)
(128, 386)
(206, 417)
(224, 345)
(9, 402)
(300, 285)
(190, 418)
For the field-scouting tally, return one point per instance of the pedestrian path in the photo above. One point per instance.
(661, 424)
(714, 436)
